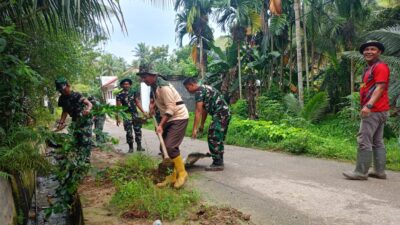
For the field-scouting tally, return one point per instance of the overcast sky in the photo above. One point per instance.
(145, 23)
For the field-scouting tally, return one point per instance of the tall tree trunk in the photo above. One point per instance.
(281, 73)
(239, 70)
(271, 68)
(305, 46)
(299, 57)
(351, 76)
(352, 84)
(201, 59)
(251, 98)
(312, 59)
(290, 54)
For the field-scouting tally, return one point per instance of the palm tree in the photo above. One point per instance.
(110, 65)
(84, 17)
(241, 18)
(192, 20)
(142, 52)
(314, 16)
(299, 56)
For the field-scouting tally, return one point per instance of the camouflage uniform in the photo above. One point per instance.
(216, 106)
(128, 99)
(82, 125)
(98, 121)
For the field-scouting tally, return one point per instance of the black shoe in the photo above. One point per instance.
(139, 148)
(217, 165)
(130, 147)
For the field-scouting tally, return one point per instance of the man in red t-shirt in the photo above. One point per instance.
(374, 113)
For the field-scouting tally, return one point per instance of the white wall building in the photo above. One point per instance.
(108, 84)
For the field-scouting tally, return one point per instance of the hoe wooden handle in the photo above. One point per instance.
(160, 138)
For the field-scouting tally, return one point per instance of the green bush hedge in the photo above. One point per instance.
(319, 141)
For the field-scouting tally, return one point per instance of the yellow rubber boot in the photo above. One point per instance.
(171, 179)
(180, 169)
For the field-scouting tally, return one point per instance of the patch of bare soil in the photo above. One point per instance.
(102, 159)
(213, 215)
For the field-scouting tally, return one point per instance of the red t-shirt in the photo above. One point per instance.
(377, 73)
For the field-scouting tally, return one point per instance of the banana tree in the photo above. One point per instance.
(256, 64)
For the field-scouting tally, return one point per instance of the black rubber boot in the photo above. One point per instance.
(130, 147)
(364, 159)
(217, 165)
(139, 147)
(379, 164)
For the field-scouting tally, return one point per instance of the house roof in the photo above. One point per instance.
(107, 80)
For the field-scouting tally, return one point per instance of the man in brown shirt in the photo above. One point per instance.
(174, 120)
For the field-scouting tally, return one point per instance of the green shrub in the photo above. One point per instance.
(351, 108)
(297, 144)
(393, 153)
(312, 111)
(293, 121)
(240, 108)
(268, 109)
(20, 151)
(274, 93)
(258, 131)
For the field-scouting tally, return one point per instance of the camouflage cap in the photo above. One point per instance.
(61, 83)
(146, 69)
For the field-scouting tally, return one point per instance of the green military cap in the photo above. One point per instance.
(61, 83)
(146, 69)
(125, 80)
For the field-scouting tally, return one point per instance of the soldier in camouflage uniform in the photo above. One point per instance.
(210, 101)
(78, 107)
(98, 121)
(131, 99)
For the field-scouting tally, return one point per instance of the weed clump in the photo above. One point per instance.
(138, 197)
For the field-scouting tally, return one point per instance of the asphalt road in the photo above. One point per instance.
(277, 188)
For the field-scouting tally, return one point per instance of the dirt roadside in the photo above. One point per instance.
(96, 195)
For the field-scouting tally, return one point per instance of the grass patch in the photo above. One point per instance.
(137, 193)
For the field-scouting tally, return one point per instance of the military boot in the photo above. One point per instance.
(139, 147)
(364, 159)
(130, 147)
(379, 164)
(217, 164)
